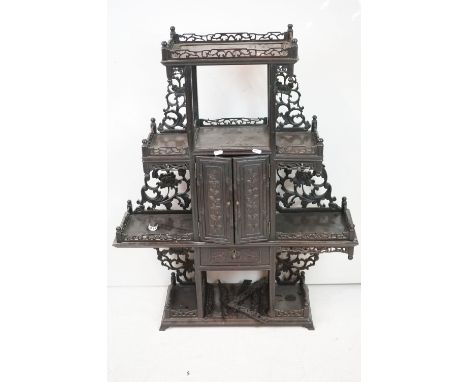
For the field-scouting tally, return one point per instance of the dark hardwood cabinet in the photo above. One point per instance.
(235, 193)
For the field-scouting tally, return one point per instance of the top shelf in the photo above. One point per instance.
(230, 48)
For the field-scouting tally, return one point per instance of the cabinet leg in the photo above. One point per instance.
(271, 282)
(198, 284)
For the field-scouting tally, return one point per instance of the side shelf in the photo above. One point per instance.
(320, 225)
(154, 227)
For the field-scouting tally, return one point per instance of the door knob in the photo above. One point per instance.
(228, 203)
(237, 203)
(234, 254)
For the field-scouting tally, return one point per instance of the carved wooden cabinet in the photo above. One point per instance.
(235, 193)
(233, 199)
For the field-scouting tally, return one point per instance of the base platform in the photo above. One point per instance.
(291, 308)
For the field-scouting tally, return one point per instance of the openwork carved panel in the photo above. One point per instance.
(167, 187)
(238, 121)
(175, 117)
(229, 53)
(179, 260)
(289, 113)
(303, 188)
(241, 36)
(290, 262)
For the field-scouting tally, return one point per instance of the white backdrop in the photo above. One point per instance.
(328, 73)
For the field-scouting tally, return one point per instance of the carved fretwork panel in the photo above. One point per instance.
(225, 37)
(288, 111)
(302, 188)
(179, 260)
(175, 116)
(167, 187)
(291, 261)
(251, 193)
(236, 121)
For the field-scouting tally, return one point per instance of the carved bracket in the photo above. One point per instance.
(303, 188)
(166, 186)
(288, 111)
(175, 117)
(290, 262)
(179, 260)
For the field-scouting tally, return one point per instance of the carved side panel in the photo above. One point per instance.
(214, 182)
(167, 187)
(290, 262)
(179, 260)
(302, 187)
(175, 115)
(288, 111)
(251, 195)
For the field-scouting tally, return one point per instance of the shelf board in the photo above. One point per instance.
(322, 228)
(297, 143)
(229, 52)
(171, 227)
(291, 308)
(166, 144)
(232, 139)
(319, 225)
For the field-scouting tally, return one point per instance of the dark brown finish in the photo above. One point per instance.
(235, 193)
(234, 256)
(251, 199)
(214, 183)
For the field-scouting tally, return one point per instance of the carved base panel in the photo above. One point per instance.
(291, 308)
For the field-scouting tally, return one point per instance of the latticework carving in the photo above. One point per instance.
(239, 36)
(175, 117)
(290, 262)
(236, 121)
(165, 189)
(289, 116)
(179, 260)
(229, 53)
(303, 188)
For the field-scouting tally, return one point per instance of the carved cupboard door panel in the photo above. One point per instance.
(251, 195)
(214, 186)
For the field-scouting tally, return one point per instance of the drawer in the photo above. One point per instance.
(232, 256)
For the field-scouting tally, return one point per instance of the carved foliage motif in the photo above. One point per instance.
(165, 189)
(303, 188)
(175, 117)
(179, 260)
(290, 262)
(252, 201)
(288, 110)
(214, 202)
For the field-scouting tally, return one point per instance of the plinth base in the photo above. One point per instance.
(291, 308)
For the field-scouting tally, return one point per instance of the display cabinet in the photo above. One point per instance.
(235, 193)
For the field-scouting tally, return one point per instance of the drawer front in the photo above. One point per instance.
(234, 256)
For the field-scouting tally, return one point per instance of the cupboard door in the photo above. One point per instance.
(251, 195)
(214, 190)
